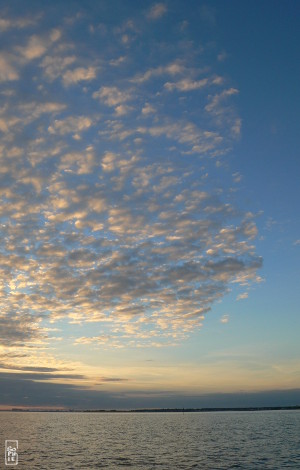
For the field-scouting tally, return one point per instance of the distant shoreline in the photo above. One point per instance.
(156, 410)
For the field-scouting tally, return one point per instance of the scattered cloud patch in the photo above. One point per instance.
(157, 11)
(78, 75)
(242, 296)
(225, 319)
(8, 71)
(54, 66)
(38, 45)
(170, 69)
(214, 106)
(112, 96)
(16, 23)
(186, 85)
(70, 124)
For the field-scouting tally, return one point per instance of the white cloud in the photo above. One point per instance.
(187, 134)
(80, 163)
(242, 296)
(173, 68)
(55, 35)
(17, 23)
(70, 124)
(215, 101)
(108, 161)
(186, 84)
(112, 96)
(236, 127)
(123, 109)
(8, 71)
(54, 67)
(5, 24)
(157, 11)
(35, 48)
(225, 319)
(38, 45)
(34, 110)
(148, 109)
(237, 177)
(117, 62)
(79, 74)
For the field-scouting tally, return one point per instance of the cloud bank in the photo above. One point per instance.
(116, 205)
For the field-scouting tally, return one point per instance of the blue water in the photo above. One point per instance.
(216, 440)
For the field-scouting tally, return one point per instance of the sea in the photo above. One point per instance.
(151, 440)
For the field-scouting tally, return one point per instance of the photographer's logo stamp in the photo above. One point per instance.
(11, 452)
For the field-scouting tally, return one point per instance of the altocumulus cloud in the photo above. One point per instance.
(112, 207)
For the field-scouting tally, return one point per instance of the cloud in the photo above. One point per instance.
(225, 318)
(17, 23)
(114, 221)
(223, 113)
(34, 110)
(37, 376)
(186, 84)
(54, 66)
(117, 62)
(214, 106)
(70, 124)
(173, 68)
(148, 109)
(113, 379)
(20, 330)
(93, 339)
(122, 109)
(157, 11)
(242, 296)
(79, 74)
(35, 48)
(112, 96)
(8, 71)
(188, 134)
(61, 395)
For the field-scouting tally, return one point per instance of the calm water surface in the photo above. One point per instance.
(217, 440)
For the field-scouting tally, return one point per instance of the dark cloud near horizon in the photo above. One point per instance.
(39, 376)
(10, 366)
(25, 392)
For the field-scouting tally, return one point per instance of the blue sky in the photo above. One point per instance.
(149, 170)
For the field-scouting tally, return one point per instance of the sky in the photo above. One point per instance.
(149, 186)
